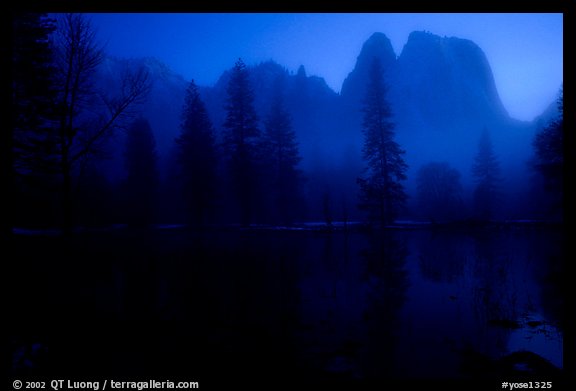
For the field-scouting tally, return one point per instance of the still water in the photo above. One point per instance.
(397, 304)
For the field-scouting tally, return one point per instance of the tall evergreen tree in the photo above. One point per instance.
(486, 170)
(549, 147)
(241, 141)
(281, 149)
(141, 183)
(33, 139)
(382, 192)
(33, 91)
(197, 158)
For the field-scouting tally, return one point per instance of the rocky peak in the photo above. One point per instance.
(448, 76)
(377, 46)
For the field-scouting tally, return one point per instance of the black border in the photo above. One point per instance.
(567, 7)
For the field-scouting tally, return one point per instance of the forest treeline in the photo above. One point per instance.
(248, 172)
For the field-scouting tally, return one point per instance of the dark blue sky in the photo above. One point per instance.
(524, 50)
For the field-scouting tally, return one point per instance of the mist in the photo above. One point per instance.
(247, 202)
(442, 96)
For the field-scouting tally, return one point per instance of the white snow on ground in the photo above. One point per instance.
(543, 339)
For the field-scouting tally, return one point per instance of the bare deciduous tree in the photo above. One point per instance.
(86, 117)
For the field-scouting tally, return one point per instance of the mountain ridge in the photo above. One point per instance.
(442, 94)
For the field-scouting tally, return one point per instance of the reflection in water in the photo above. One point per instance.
(387, 284)
(537, 335)
(350, 300)
(350, 305)
(476, 302)
(441, 256)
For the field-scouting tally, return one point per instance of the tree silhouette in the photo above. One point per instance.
(439, 191)
(486, 170)
(32, 153)
(32, 92)
(281, 151)
(197, 158)
(142, 180)
(241, 140)
(81, 131)
(548, 144)
(382, 193)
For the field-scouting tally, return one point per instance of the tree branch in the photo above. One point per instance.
(135, 86)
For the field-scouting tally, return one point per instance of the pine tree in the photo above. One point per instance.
(32, 142)
(486, 170)
(141, 183)
(197, 158)
(241, 140)
(32, 90)
(281, 150)
(549, 147)
(382, 193)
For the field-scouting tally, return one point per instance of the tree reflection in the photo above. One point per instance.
(512, 276)
(441, 255)
(387, 282)
(351, 292)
